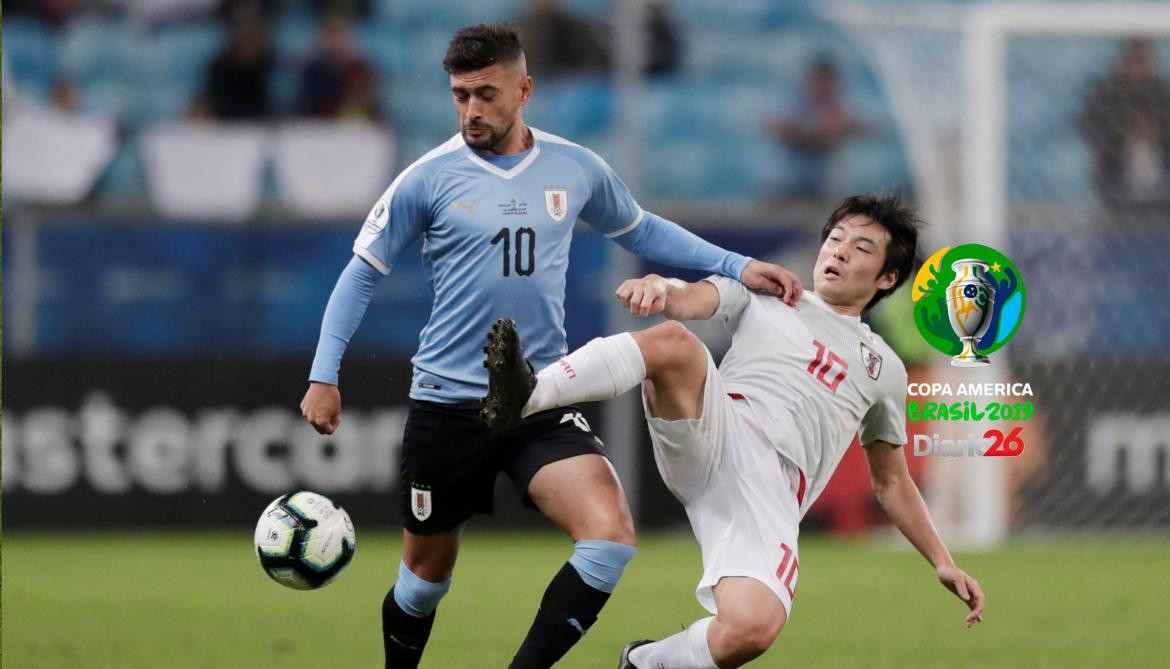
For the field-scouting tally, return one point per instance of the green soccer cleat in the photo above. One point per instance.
(510, 377)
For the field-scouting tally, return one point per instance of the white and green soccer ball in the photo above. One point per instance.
(304, 540)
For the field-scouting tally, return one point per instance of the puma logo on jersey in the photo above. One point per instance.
(470, 208)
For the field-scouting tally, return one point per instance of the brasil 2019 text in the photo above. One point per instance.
(923, 411)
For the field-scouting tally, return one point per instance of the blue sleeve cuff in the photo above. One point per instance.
(735, 265)
(347, 305)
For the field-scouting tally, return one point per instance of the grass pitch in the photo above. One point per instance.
(200, 600)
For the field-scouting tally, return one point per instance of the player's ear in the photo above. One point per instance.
(525, 90)
(887, 280)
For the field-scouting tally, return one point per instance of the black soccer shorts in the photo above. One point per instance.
(450, 459)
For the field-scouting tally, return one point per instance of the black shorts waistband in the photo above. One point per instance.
(462, 405)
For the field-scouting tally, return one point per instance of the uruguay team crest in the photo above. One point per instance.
(873, 361)
(557, 203)
(420, 503)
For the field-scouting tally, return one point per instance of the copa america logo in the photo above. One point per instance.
(968, 302)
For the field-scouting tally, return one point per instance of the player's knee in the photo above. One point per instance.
(749, 624)
(617, 526)
(675, 335)
(605, 514)
(667, 344)
(623, 534)
(752, 637)
(601, 563)
(417, 596)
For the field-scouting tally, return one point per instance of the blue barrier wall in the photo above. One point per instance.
(191, 290)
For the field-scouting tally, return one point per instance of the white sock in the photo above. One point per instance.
(686, 650)
(603, 368)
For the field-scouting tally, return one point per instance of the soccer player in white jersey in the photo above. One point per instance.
(748, 446)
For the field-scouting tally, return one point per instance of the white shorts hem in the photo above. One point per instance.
(705, 593)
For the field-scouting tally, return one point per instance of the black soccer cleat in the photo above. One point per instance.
(624, 661)
(510, 377)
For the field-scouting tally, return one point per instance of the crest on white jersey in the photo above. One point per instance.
(873, 361)
(420, 503)
(557, 203)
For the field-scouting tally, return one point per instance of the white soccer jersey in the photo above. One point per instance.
(813, 378)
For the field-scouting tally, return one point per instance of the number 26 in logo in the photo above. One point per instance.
(1009, 445)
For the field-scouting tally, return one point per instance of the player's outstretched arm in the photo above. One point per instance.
(321, 405)
(902, 502)
(663, 241)
(673, 298)
(612, 209)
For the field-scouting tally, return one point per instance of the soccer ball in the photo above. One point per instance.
(304, 540)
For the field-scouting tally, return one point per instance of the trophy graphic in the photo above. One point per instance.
(970, 302)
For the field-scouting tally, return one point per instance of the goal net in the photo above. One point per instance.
(1043, 130)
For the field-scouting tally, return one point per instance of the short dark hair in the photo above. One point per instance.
(479, 46)
(895, 216)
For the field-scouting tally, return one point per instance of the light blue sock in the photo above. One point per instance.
(416, 596)
(601, 563)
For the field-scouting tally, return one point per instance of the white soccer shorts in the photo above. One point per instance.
(740, 493)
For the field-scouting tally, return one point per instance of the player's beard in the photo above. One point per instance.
(491, 141)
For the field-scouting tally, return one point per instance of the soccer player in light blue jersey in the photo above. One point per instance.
(495, 206)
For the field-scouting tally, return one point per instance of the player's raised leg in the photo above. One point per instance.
(676, 369)
(582, 495)
(668, 357)
(750, 618)
(408, 611)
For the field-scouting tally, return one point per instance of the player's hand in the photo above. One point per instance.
(643, 296)
(322, 407)
(772, 279)
(966, 588)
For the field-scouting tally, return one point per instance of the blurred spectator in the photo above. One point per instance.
(663, 46)
(557, 43)
(230, 9)
(236, 82)
(337, 82)
(64, 95)
(56, 12)
(1126, 121)
(154, 12)
(250, 10)
(813, 130)
(359, 9)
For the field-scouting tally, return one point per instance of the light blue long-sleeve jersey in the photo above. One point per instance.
(496, 233)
